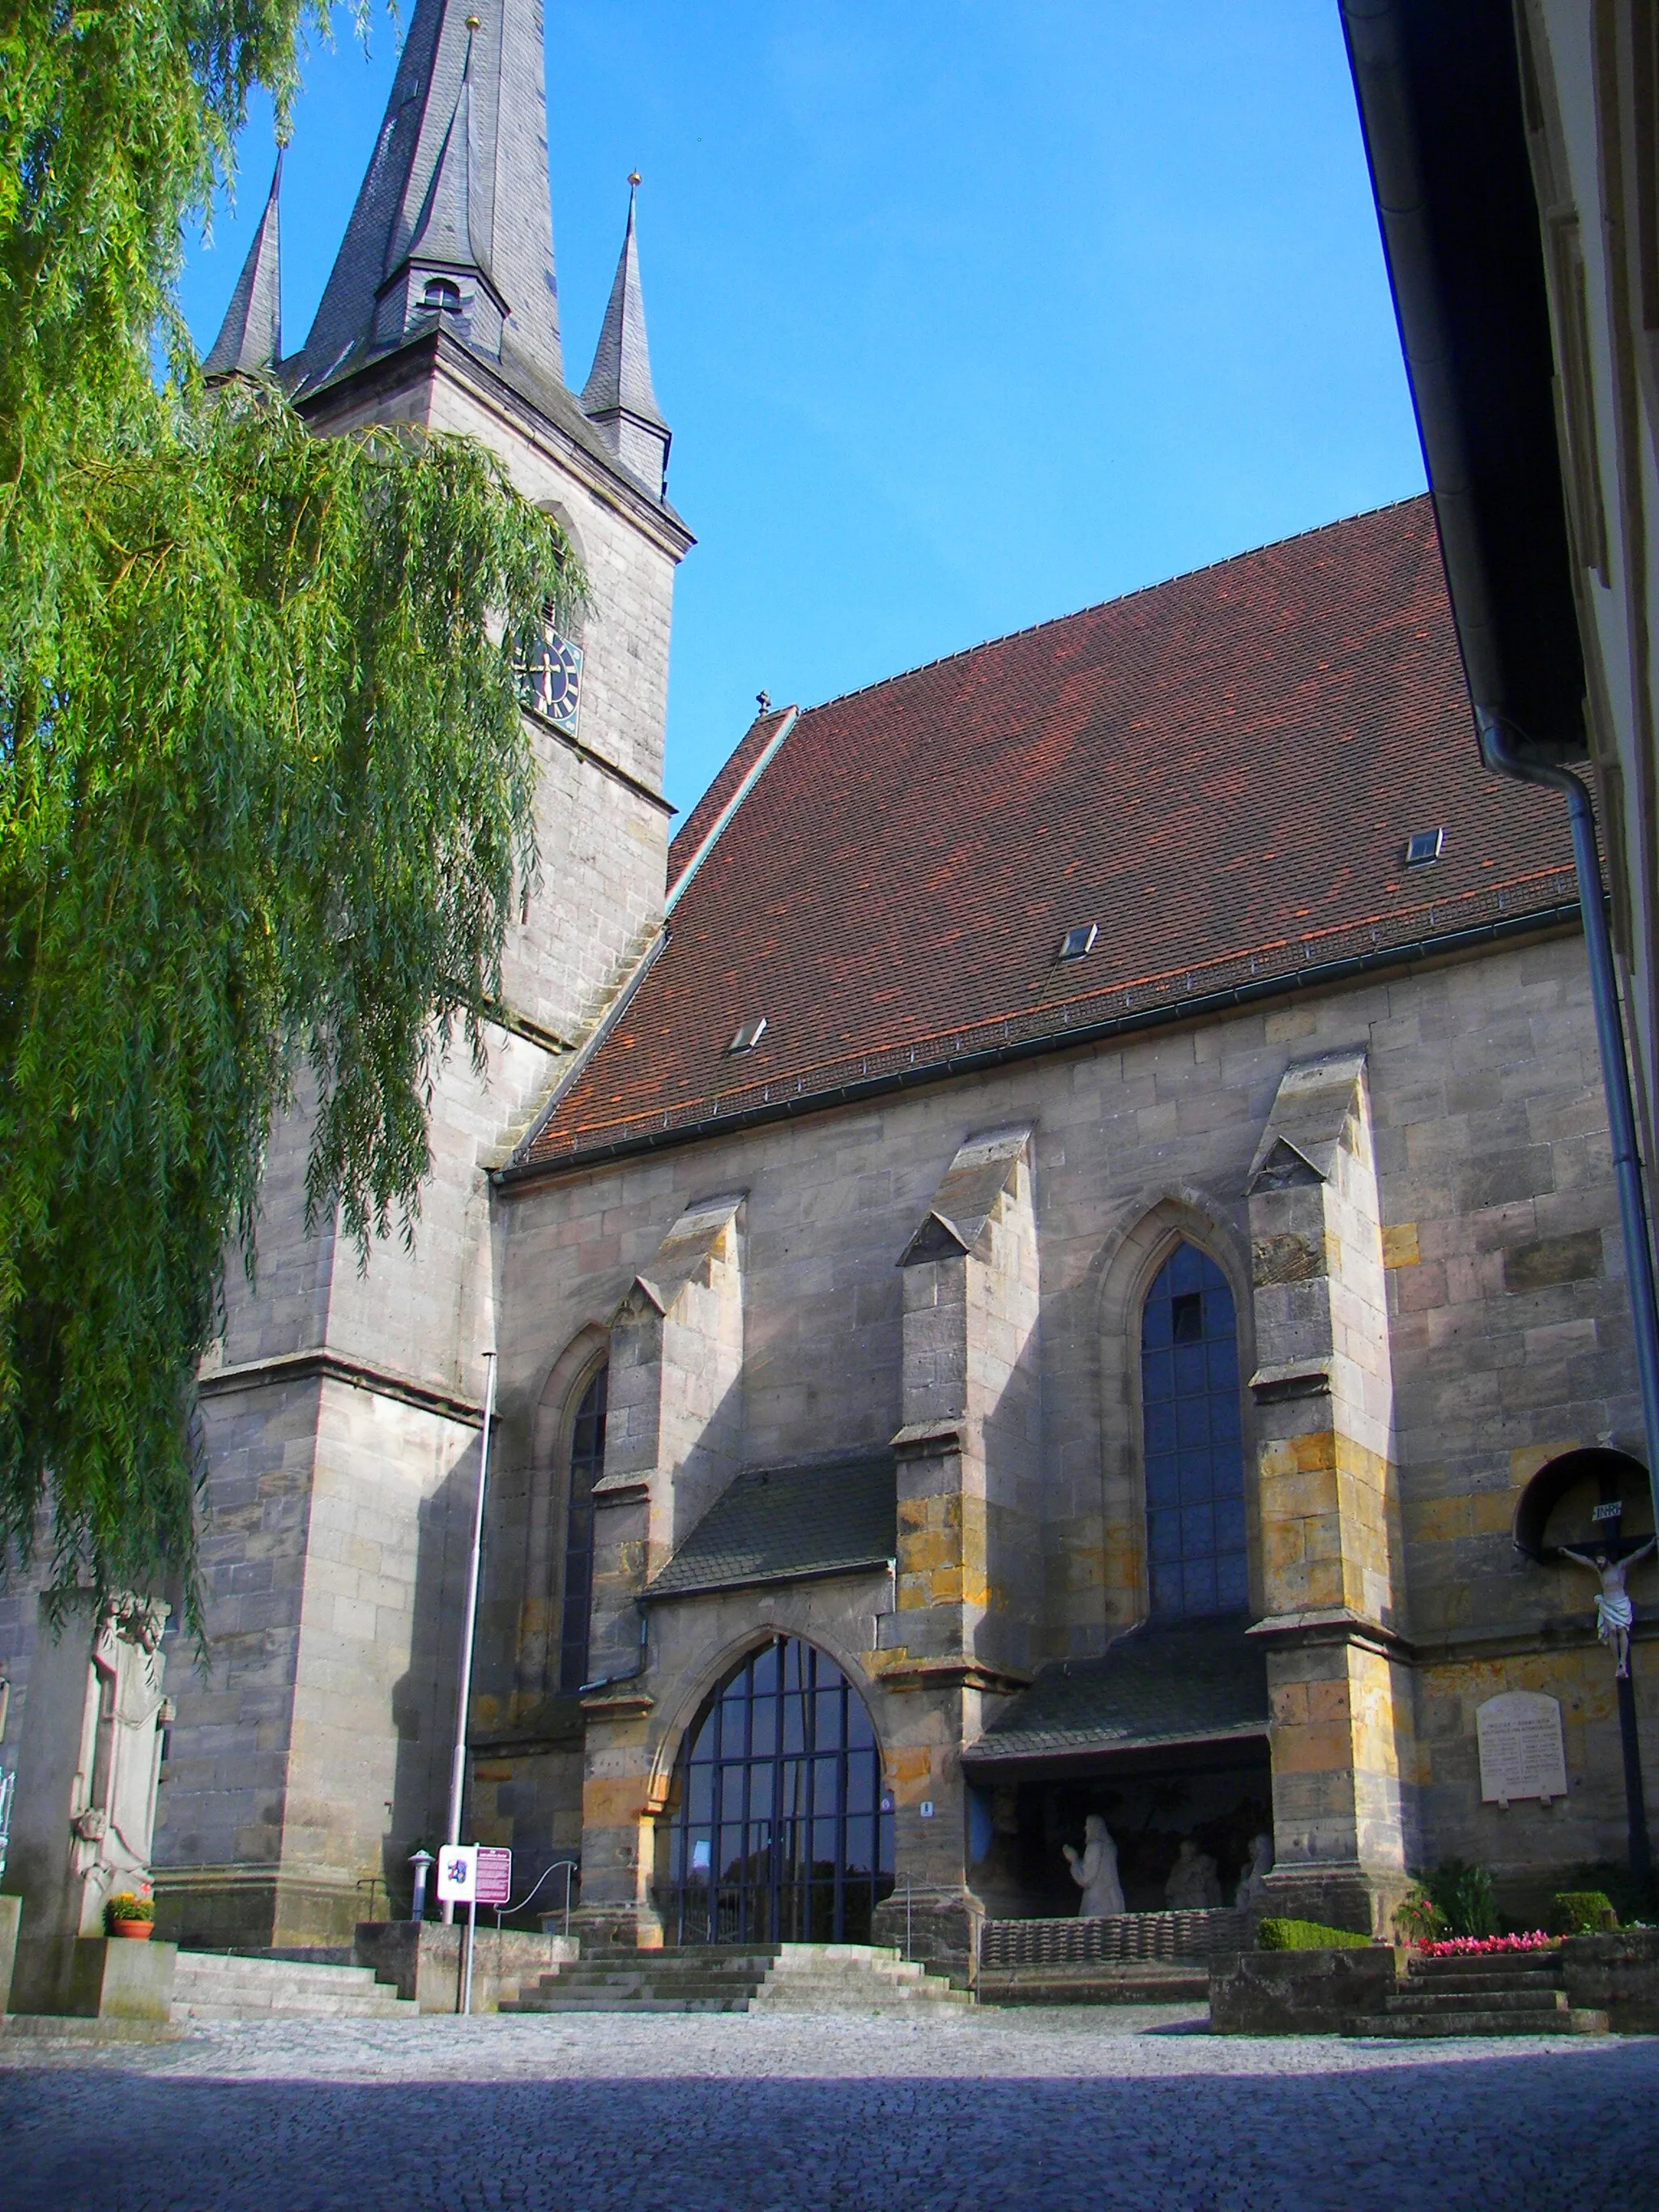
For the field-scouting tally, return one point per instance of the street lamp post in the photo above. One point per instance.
(464, 1696)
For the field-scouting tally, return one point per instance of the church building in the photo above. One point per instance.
(1052, 1251)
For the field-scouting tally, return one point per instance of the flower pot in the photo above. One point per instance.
(135, 1931)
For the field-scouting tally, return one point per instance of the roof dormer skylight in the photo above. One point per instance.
(1078, 943)
(749, 1036)
(1424, 847)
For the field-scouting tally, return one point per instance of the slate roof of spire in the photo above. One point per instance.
(1221, 771)
(466, 168)
(250, 340)
(620, 378)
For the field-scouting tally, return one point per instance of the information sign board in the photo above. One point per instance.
(1521, 1753)
(495, 1879)
(458, 1873)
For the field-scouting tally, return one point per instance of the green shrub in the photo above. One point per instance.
(1632, 1901)
(127, 1905)
(1307, 1935)
(1464, 1897)
(1581, 1912)
(1417, 1919)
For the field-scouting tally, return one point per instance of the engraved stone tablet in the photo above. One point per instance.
(1520, 1749)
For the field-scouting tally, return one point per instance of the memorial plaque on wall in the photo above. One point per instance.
(1521, 1753)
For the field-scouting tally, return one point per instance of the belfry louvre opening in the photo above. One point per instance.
(780, 1832)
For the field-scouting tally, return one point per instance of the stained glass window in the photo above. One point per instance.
(1197, 1557)
(782, 1832)
(587, 1465)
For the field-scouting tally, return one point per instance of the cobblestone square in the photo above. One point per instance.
(733, 2114)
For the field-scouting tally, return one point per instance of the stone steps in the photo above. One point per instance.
(1174, 1981)
(1569, 2022)
(217, 1985)
(1505, 1993)
(781, 1978)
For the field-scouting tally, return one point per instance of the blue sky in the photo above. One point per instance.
(964, 315)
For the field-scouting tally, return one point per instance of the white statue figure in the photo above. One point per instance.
(1253, 1882)
(1194, 1884)
(1094, 1869)
(120, 1754)
(1614, 1614)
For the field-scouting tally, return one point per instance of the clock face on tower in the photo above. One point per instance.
(550, 679)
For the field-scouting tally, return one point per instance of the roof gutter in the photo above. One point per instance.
(1199, 1007)
(1502, 752)
(1442, 106)
(1438, 85)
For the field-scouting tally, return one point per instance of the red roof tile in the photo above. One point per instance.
(1220, 771)
(713, 804)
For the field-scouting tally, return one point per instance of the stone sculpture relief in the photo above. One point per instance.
(120, 1754)
(1252, 1894)
(1194, 1884)
(1094, 1869)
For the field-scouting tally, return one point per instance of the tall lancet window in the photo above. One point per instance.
(1196, 1552)
(587, 1465)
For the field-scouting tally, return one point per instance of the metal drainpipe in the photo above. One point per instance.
(628, 1673)
(1615, 1069)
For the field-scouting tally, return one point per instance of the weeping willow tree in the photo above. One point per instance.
(264, 792)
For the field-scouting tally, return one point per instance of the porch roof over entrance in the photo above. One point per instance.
(1162, 1684)
(784, 1524)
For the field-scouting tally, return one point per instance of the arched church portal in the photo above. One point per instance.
(778, 1831)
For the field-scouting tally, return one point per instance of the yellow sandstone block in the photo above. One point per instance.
(1439, 1520)
(1525, 1462)
(1400, 1247)
(1313, 1751)
(612, 1801)
(1327, 1701)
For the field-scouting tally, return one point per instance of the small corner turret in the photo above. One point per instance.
(250, 340)
(618, 398)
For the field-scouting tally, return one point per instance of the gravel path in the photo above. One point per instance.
(1085, 2109)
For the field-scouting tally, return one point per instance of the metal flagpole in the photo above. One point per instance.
(458, 1766)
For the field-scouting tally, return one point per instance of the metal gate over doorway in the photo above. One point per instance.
(780, 1833)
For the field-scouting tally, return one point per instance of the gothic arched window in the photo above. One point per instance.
(1197, 1557)
(782, 1833)
(587, 1465)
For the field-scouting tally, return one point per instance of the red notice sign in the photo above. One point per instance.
(495, 1875)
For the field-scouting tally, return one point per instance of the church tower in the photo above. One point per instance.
(342, 1411)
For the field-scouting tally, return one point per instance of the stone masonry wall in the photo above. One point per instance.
(1489, 1138)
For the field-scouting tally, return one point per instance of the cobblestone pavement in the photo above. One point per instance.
(1051, 2109)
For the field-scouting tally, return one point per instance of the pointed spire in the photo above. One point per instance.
(443, 228)
(250, 340)
(618, 398)
(453, 220)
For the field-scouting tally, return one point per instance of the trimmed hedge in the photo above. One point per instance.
(1581, 1912)
(1307, 1935)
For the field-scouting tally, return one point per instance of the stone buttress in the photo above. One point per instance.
(1338, 1677)
(969, 1519)
(673, 1433)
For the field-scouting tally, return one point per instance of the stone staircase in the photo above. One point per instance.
(210, 1985)
(1501, 1993)
(731, 1977)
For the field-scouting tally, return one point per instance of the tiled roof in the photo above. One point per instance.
(776, 1524)
(713, 804)
(1220, 772)
(1181, 1682)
